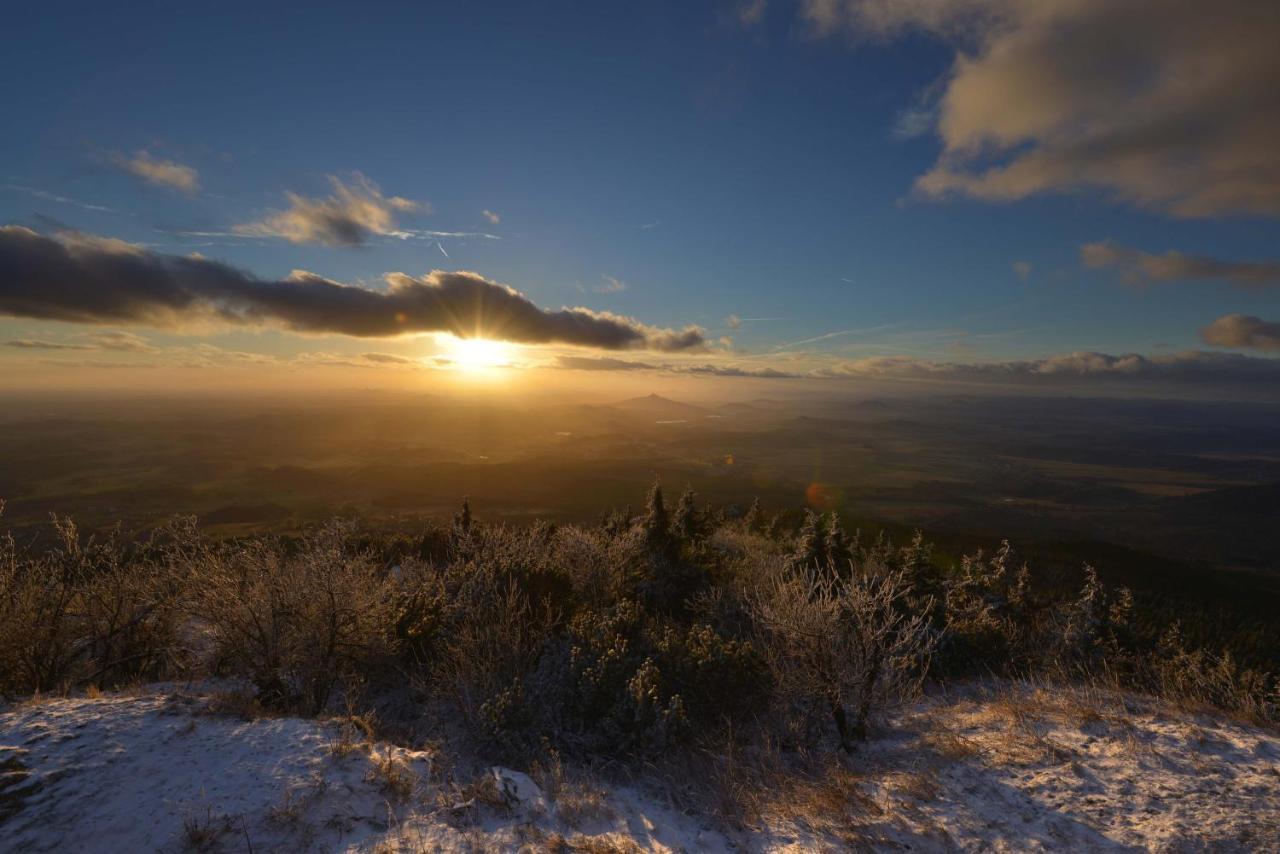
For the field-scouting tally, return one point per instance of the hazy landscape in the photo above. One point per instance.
(752, 425)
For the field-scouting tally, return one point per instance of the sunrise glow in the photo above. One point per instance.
(477, 355)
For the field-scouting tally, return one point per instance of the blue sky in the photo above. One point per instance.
(712, 165)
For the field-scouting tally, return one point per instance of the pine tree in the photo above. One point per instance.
(810, 547)
(655, 517)
(685, 524)
(837, 548)
(462, 519)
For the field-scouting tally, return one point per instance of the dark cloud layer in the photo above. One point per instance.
(1243, 331)
(1137, 267)
(93, 280)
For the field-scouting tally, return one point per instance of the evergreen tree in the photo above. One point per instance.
(655, 517)
(754, 520)
(810, 547)
(462, 519)
(686, 524)
(837, 548)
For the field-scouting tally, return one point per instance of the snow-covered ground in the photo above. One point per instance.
(1017, 770)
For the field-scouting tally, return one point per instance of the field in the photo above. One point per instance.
(1171, 498)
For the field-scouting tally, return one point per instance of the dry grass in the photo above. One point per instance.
(462, 802)
(822, 796)
(581, 844)
(946, 743)
(356, 733)
(920, 785)
(393, 777)
(242, 704)
(203, 831)
(578, 797)
(288, 812)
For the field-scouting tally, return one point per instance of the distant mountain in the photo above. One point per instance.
(658, 407)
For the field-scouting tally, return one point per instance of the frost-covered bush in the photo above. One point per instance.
(839, 646)
(297, 622)
(85, 611)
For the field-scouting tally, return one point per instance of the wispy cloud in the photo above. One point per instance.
(829, 335)
(751, 12)
(389, 359)
(162, 173)
(117, 341)
(356, 210)
(584, 363)
(65, 200)
(1136, 267)
(37, 344)
(610, 285)
(1188, 366)
(126, 342)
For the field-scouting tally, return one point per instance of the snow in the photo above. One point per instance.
(1019, 769)
(155, 771)
(519, 791)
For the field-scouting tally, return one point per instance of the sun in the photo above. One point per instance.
(478, 354)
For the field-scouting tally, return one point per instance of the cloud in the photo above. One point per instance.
(914, 122)
(32, 344)
(388, 359)
(751, 12)
(492, 217)
(85, 279)
(1243, 331)
(611, 286)
(586, 363)
(1138, 268)
(125, 342)
(54, 197)
(733, 321)
(1084, 371)
(735, 371)
(162, 173)
(355, 211)
(1022, 269)
(827, 336)
(1188, 366)
(1172, 106)
(581, 363)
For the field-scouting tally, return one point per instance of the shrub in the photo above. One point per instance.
(84, 612)
(625, 682)
(297, 622)
(843, 645)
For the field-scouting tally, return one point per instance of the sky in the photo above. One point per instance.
(999, 192)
